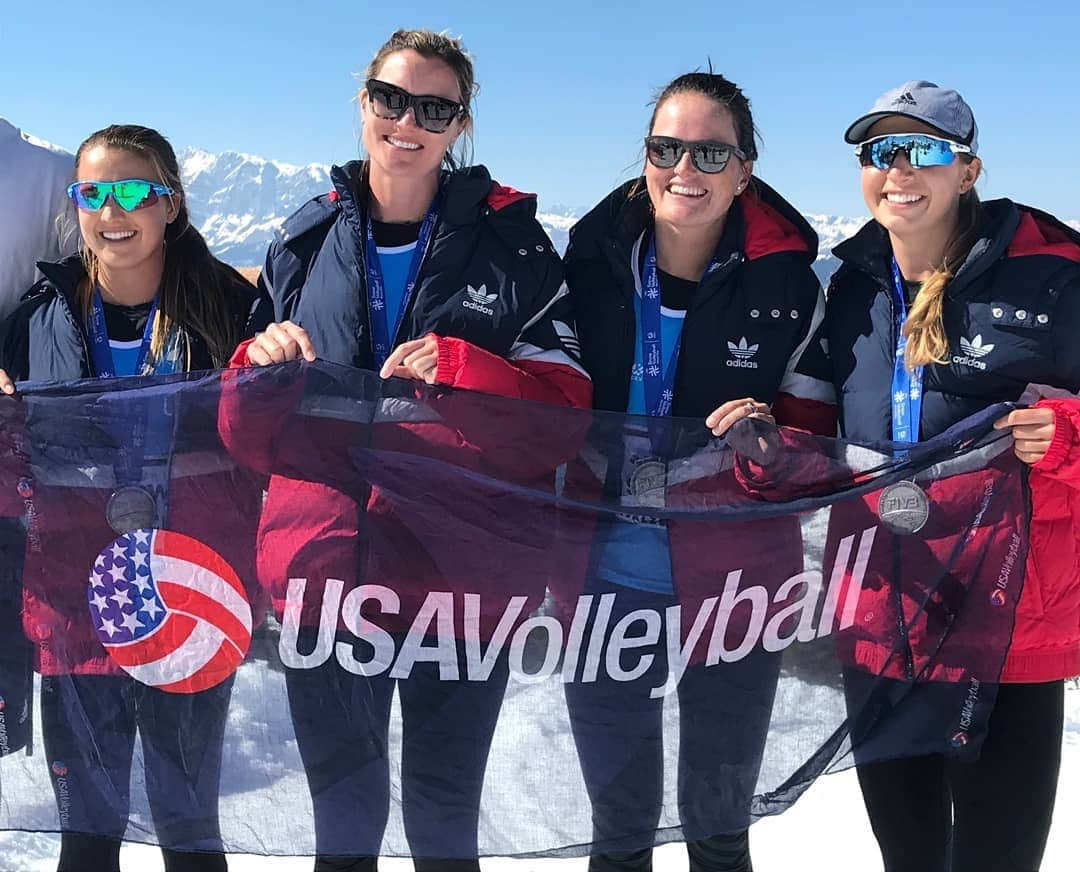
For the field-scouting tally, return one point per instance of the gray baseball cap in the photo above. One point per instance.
(941, 108)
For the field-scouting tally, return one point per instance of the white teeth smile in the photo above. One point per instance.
(401, 143)
(115, 235)
(687, 191)
(903, 198)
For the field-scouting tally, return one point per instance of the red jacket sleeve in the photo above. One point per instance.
(469, 367)
(779, 464)
(239, 357)
(1062, 459)
(814, 416)
(251, 420)
(806, 398)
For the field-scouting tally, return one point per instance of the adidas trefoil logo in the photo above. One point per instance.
(742, 354)
(905, 99)
(479, 300)
(975, 347)
(742, 350)
(973, 352)
(480, 295)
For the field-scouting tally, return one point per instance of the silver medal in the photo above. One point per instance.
(648, 483)
(903, 507)
(131, 508)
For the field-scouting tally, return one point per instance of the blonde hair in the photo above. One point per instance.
(924, 328)
(449, 50)
(196, 288)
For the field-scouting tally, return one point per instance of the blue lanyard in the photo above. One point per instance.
(101, 352)
(906, 386)
(659, 383)
(376, 288)
(129, 462)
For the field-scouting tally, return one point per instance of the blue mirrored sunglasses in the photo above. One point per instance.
(920, 149)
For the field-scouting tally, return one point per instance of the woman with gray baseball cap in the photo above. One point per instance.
(943, 306)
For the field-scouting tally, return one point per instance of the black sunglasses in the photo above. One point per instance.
(707, 155)
(434, 114)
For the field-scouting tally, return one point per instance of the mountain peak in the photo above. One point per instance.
(239, 200)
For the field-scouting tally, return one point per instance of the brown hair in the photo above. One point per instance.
(725, 94)
(196, 288)
(924, 328)
(449, 50)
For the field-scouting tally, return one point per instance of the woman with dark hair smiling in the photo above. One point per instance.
(694, 296)
(146, 297)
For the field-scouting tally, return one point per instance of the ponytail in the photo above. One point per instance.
(924, 328)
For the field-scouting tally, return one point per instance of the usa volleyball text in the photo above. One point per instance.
(431, 636)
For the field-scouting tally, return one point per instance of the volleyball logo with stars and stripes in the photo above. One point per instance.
(169, 610)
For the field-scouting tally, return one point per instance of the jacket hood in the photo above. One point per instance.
(774, 225)
(467, 191)
(64, 276)
(1041, 233)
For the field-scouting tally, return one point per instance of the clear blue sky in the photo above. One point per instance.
(564, 85)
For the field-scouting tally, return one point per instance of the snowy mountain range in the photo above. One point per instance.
(238, 200)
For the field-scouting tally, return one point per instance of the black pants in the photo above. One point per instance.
(342, 728)
(724, 713)
(89, 724)
(936, 814)
(16, 672)
(724, 852)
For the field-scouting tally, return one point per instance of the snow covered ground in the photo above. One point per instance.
(827, 820)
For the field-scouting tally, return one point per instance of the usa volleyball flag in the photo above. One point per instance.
(169, 610)
(450, 621)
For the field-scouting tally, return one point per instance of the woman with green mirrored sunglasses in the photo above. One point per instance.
(128, 194)
(145, 297)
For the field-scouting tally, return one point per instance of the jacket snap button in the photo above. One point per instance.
(997, 311)
(794, 314)
(754, 313)
(523, 251)
(775, 313)
(1021, 314)
(539, 248)
(1042, 319)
